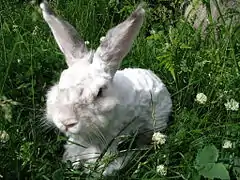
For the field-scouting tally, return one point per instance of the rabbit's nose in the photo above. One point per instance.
(68, 124)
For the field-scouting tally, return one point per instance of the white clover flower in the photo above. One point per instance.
(4, 137)
(15, 28)
(33, 2)
(201, 98)
(232, 105)
(162, 170)
(87, 42)
(138, 169)
(34, 33)
(159, 138)
(227, 144)
(152, 31)
(18, 60)
(102, 38)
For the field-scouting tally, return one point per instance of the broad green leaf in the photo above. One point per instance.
(195, 176)
(214, 170)
(236, 168)
(209, 154)
(58, 175)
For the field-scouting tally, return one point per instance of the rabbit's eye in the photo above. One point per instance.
(100, 92)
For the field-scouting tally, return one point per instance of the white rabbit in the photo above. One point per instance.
(93, 101)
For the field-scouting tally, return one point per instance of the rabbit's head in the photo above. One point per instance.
(84, 94)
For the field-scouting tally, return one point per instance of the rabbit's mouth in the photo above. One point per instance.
(69, 126)
(73, 129)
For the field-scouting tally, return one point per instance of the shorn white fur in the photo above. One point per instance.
(93, 101)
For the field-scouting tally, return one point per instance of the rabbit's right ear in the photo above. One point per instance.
(118, 41)
(66, 36)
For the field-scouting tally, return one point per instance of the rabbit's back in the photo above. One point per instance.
(141, 79)
(142, 90)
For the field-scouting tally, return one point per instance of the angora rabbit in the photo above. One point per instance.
(94, 101)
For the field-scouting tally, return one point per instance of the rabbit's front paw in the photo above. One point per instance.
(112, 168)
(72, 157)
(78, 155)
(117, 164)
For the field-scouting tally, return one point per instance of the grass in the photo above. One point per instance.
(186, 61)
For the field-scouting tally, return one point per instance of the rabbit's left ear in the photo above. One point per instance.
(66, 36)
(118, 42)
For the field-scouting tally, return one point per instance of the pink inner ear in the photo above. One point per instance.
(66, 36)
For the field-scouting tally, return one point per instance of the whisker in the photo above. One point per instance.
(76, 143)
(111, 142)
(99, 135)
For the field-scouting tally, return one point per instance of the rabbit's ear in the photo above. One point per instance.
(65, 35)
(118, 41)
